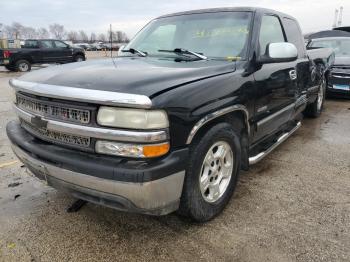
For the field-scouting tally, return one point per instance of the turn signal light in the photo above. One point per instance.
(131, 150)
(155, 150)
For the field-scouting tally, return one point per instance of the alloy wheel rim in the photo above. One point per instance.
(216, 171)
(23, 67)
(79, 59)
(320, 95)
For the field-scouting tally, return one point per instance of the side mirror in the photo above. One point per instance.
(279, 53)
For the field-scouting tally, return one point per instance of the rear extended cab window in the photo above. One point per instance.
(31, 44)
(270, 32)
(294, 35)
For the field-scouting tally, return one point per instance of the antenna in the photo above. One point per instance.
(335, 18)
(340, 21)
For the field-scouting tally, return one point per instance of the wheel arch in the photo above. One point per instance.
(79, 54)
(25, 57)
(221, 115)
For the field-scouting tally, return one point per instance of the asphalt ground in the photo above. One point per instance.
(292, 206)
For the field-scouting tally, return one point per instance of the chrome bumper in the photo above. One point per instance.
(158, 197)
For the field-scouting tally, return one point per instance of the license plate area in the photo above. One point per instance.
(342, 87)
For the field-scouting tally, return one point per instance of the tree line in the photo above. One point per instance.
(18, 31)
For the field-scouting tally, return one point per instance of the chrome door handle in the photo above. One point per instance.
(293, 74)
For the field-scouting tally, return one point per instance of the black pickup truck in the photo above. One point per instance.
(39, 52)
(194, 98)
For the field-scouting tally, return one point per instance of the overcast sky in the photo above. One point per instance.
(130, 16)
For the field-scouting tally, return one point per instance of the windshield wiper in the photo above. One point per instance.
(135, 51)
(182, 51)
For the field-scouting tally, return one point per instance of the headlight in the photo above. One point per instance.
(132, 118)
(131, 150)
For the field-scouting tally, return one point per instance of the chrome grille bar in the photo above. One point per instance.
(56, 137)
(60, 112)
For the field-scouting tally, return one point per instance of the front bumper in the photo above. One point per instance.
(339, 82)
(149, 187)
(337, 92)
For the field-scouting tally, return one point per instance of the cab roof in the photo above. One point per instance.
(230, 9)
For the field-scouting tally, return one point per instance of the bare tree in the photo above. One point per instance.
(14, 31)
(83, 36)
(43, 33)
(102, 37)
(93, 38)
(57, 31)
(121, 37)
(112, 35)
(28, 33)
(1, 30)
(73, 36)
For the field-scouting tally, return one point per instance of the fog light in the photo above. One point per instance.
(131, 150)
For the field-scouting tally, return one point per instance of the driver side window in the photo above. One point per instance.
(47, 44)
(60, 44)
(270, 32)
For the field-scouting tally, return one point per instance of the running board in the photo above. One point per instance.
(255, 159)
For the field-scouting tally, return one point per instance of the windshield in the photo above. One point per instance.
(215, 35)
(341, 47)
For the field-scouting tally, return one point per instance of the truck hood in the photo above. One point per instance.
(136, 75)
(344, 60)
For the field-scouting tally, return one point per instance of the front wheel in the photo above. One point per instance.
(79, 58)
(212, 173)
(314, 110)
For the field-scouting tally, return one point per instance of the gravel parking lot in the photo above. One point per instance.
(293, 206)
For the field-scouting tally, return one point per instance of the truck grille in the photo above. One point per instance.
(55, 111)
(57, 137)
(341, 66)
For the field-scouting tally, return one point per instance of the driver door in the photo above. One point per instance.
(63, 51)
(276, 83)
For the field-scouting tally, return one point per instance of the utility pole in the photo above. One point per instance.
(110, 36)
(335, 18)
(340, 21)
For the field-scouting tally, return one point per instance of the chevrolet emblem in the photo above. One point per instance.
(38, 122)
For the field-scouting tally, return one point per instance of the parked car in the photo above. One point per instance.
(196, 97)
(39, 52)
(98, 46)
(339, 77)
(85, 46)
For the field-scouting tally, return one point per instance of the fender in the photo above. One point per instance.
(217, 114)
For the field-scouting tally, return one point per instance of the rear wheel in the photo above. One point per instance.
(315, 109)
(23, 66)
(212, 173)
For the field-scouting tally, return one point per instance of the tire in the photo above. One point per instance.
(23, 66)
(315, 109)
(197, 202)
(79, 58)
